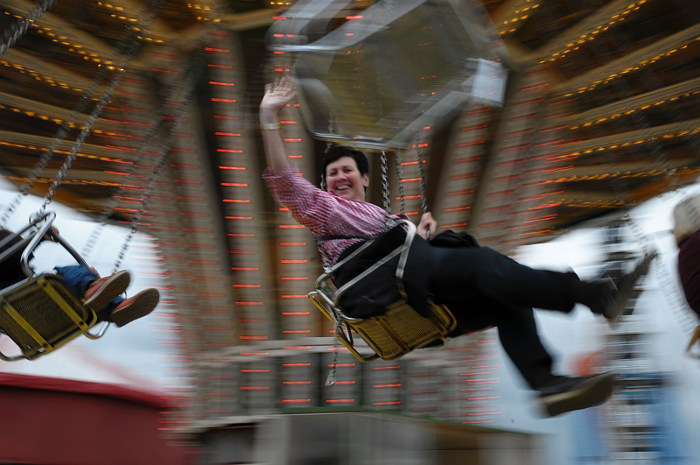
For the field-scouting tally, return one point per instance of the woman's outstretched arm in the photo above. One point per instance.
(277, 95)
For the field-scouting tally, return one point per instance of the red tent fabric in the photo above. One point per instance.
(51, 421)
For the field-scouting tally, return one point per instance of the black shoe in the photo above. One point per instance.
(625, 288)
(568, 394)
(608, 296)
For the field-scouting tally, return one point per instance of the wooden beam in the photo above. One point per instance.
(620, 66)
(39, 143)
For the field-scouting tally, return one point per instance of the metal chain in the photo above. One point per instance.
(331, 379)
(114, 199)
(385, 185)
(84, 133)
(422, 182)
(181, 107)
(399, 180)
(179, 94)
(19, 28)
(326, 262)
(127, 47)
(59, 137)
(329, 144)
(638, 233)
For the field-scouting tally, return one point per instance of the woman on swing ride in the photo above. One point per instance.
(102, 295)
(480, 286)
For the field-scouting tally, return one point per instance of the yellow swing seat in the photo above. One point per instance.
(40, 314)
(396, 332)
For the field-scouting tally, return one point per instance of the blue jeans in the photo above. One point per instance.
(78, 278)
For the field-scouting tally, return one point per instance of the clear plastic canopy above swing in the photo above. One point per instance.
(387, 71)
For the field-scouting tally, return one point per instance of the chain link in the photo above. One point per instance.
(19, 28)
(399, 180)
(385, 185)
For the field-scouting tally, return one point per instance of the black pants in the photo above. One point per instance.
(484, 288)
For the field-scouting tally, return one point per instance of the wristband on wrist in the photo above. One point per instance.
(270, 126)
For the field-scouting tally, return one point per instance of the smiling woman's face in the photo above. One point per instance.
(343, 179)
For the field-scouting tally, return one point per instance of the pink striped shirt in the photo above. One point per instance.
(323, 213)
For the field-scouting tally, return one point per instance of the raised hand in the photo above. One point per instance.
(277, 95)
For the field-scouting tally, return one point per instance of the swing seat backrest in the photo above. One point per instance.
(40, 314)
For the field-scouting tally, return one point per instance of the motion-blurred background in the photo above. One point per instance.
(595, 141)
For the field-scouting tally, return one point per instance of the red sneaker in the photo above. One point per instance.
(135, 307)
(103, 290)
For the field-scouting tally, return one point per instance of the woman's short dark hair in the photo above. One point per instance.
(337, 152)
